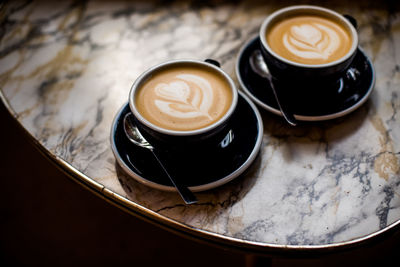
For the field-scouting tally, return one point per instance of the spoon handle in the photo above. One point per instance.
(187, 195)
(283, 106)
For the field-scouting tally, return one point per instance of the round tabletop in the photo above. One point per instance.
(66, 69)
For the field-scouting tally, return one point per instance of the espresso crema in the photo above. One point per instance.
(184, 98)
(309, 39)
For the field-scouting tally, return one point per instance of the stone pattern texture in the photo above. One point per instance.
(66, 68)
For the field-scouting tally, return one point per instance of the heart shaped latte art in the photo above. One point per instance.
(175, 91)
(311, 41)
(308, 34)
(189, 96)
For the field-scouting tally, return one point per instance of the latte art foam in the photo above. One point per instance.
(309, 39)
(188, 96)
(184, 98)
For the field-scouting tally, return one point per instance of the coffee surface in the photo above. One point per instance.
(184, 98)
(309, 39)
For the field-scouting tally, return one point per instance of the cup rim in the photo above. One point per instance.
(159, 129)
(340, 17)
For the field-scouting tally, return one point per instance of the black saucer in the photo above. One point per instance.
(214, 165)
(350, 96)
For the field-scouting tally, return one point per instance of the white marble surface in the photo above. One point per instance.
(66, 68)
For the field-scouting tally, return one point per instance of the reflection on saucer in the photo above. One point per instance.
(211, 167)
(348, 95)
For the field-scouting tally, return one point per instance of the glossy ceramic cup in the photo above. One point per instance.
(284, 69)
(166, 138)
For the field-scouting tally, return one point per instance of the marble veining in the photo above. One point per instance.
(66, 68)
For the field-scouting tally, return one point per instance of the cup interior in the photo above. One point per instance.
(150, 73)
(292, 11)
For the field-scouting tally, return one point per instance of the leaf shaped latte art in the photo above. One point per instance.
(311, 41)
(179, 99)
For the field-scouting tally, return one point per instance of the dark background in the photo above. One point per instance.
(46, 219)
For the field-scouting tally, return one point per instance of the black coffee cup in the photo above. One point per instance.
(184, 140)
(287, 71)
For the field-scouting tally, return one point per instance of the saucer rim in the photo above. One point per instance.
(198, 188)
(297, 116)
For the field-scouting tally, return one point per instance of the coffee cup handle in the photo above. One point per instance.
(213, 62)
(351, 19)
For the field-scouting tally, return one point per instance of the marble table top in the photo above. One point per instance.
(66, 68)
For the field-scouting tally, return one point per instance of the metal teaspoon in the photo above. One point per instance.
(134, 135)
(258, 65)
